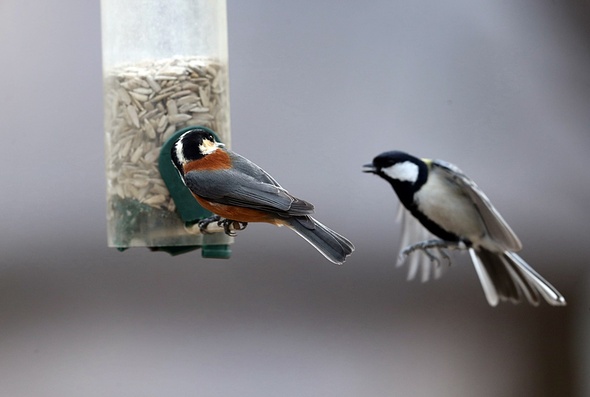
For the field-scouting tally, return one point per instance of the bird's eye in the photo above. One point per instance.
(210, 137)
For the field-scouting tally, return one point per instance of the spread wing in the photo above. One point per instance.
(418, 262)
(245, 185)
(498, 229)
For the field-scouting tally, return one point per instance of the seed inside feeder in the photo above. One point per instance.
(146, 103)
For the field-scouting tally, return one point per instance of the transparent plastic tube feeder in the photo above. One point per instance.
(165, 68)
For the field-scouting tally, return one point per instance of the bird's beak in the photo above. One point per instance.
(369, 168)
(219, 144)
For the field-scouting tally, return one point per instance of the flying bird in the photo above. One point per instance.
(450, 206)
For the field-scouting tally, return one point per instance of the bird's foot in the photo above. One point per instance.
(229, 226)
(426, 246)
(203, 223)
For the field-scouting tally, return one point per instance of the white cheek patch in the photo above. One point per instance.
(179, 152)
(404, 172)
(207, 147)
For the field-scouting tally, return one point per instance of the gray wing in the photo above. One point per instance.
(418, 262)
(245, 185)
(498, 229)
(245, 166)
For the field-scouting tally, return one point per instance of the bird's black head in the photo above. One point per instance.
(193, 145)
(399, 169)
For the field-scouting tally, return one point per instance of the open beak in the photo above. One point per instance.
(369, 168)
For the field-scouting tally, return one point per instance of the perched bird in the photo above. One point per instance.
(451, 207)
(237, 190)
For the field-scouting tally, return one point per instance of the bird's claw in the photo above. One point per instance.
(425, 246)
(228, 224)
(203, 223)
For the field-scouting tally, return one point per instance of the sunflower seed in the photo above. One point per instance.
(143, 91)
(171, 107)
(149, 130)
(169, 131)
(139, 97)
(156, 200)
(191, 98)
(162, 124)
(132, 112)
(152, 83)
(179, 118)
(136, 154)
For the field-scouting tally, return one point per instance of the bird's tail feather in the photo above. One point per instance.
(506, 276)
(332, 245)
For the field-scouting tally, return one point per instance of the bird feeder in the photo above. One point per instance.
(165, 68)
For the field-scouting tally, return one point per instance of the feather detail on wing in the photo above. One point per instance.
(233, 188)
(412, 231)
(497, 228)
(247, 167)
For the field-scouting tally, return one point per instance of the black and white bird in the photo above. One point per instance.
(450, 206)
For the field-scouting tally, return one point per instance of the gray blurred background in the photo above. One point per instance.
(318, 88)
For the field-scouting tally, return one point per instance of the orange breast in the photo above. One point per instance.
(239, 214)
(218, 160)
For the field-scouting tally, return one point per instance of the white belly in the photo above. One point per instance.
(446, 205)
